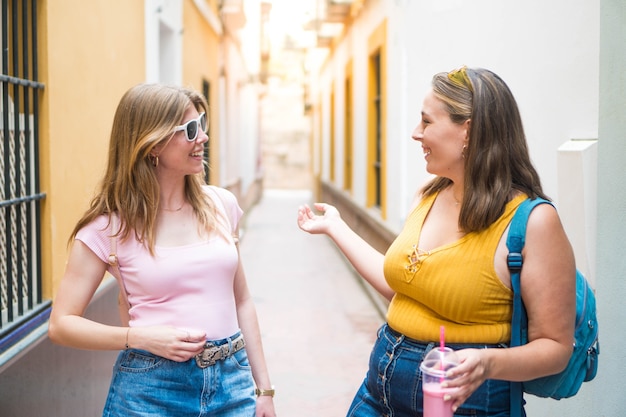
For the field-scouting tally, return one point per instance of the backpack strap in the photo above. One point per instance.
(519, 322)
(515, 243)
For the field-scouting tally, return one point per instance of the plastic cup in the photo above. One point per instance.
(434, 367)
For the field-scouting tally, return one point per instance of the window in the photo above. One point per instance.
(21, 301)
(206, 91)
(348, 140)
(376, 150)
(331, 158)
(375, 162)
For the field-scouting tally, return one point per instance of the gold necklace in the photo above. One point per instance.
(456, 200)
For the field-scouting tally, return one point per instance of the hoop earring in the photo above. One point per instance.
(463, 151)
(155, 160)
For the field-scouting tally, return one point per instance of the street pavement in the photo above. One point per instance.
(318, 320)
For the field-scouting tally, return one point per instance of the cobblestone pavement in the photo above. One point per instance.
(317, 321)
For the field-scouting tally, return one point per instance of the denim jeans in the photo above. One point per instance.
(393, 384)
(146, 385)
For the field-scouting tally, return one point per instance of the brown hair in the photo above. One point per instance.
(496, 160)
(145, 117)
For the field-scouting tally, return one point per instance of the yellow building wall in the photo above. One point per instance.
(91, 52)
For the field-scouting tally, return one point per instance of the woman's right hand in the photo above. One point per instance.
(316, 224)
(176, 344)
(367, 261)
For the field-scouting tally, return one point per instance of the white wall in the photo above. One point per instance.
(239, 101)
(608, 390)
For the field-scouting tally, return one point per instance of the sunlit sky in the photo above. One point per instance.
(288, 17)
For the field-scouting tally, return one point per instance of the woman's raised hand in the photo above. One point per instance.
(315, 224)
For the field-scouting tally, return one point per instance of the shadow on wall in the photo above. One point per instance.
(56, 381)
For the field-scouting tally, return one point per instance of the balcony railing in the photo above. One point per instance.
(331, 18)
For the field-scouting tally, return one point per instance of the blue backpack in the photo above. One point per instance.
(583, 364)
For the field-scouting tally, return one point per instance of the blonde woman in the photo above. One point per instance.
(192, 345)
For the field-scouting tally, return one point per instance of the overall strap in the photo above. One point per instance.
(113, 261)
(515, 243)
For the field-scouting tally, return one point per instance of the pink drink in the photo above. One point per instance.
(434, 405)
(434, 368)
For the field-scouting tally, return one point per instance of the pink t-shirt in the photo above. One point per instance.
(189, 287)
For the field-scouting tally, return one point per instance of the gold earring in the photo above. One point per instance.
(155, 160)
(463, 151)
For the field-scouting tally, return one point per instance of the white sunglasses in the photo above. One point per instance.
(192, 127)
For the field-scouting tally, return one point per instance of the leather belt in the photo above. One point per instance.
(213, 353)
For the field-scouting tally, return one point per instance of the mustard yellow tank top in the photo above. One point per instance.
(454, 285)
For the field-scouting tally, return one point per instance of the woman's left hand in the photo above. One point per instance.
(265, 406)
(472, 371)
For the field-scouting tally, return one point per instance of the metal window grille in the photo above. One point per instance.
(20, 200)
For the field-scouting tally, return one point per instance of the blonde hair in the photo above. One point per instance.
(145, 117)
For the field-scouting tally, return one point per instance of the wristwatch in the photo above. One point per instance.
(265, 392)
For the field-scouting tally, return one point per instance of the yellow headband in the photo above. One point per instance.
(459, 77)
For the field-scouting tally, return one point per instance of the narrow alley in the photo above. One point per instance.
(317, 320)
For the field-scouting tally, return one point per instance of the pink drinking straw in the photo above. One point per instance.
(442, 345)
(442, 338)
